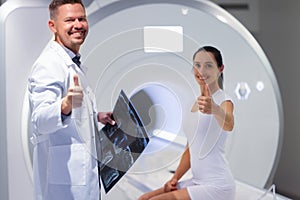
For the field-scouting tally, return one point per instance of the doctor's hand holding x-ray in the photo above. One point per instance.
(64, 114)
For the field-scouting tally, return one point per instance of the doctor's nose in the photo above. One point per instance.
(78, 24)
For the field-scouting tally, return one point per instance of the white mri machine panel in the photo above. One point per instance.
(160, 82)
(116, 53)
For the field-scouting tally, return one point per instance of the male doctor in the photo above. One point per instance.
(64, 116)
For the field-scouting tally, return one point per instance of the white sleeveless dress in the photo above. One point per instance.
(211, 175)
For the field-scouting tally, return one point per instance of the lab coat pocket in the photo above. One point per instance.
(67, 165)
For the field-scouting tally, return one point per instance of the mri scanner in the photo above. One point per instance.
(145, 47)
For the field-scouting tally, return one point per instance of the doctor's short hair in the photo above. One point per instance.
(55, 4)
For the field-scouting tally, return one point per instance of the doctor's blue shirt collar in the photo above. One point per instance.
(70, 53)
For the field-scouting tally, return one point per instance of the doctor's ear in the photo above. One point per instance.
(51, 25)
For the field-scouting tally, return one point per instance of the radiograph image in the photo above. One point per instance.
(120, 145)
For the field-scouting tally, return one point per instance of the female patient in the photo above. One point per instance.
(204, 154)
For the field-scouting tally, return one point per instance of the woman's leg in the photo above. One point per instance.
(181, 194)
(151, 194)
(159, 194)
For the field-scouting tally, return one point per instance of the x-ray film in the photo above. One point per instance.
(120, 144)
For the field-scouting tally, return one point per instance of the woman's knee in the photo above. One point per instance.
(149, 195)
(143, 197)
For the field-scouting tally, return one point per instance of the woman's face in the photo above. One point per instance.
(205, 68)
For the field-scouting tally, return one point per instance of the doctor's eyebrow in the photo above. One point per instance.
(81, 18)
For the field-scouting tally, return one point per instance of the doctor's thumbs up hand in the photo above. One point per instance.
(73, 98)
(76, 93)
(205, 101)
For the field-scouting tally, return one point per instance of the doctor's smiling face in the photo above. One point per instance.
(69, 24)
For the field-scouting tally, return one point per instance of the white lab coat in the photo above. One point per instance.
(64, 160)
